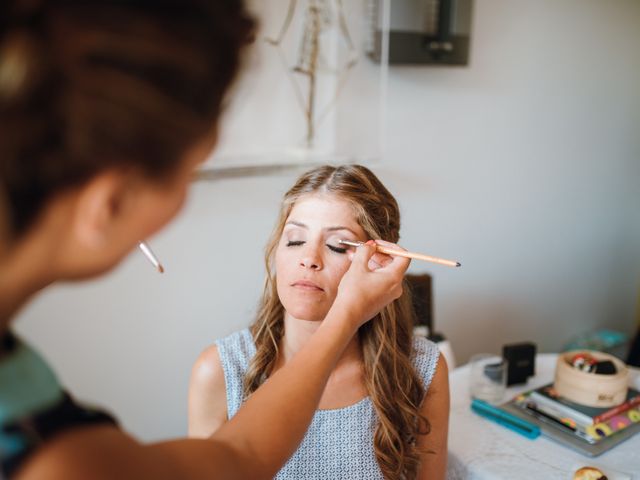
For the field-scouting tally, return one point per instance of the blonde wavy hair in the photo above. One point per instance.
(391, 380)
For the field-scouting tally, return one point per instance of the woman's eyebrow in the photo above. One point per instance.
(339, 227)
(296, 223)
(326, 229)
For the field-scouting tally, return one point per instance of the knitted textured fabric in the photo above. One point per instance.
(339, 443)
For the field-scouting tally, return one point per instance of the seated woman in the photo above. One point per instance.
(384, 412)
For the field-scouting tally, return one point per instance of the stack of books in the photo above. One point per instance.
(591, 424)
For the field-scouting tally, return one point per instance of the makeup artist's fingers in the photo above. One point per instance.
(384, 243)
(362, 254)
(375, 264)
(364, 292)
(391, 261)
(376, 259)
(352, 251)
(380, 259)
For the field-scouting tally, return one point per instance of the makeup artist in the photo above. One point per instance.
(106, 108)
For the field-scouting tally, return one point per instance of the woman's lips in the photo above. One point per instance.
(306, 285)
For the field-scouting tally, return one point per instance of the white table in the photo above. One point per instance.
(483, 450)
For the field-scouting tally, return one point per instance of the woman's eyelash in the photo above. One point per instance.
(297, 243)
(337, 249)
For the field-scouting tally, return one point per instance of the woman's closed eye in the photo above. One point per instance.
(333, 248)
(337, 249)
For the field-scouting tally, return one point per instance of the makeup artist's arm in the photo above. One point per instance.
(207, 388)
(259, 439)
(267, 429)
(433, 462)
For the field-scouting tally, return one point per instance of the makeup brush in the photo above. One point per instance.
(402, 253)
(151, 256)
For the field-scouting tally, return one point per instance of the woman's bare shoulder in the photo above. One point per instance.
(207, 369)
(207, 394)
(440, 381)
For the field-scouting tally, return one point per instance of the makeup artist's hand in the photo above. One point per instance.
(373, 281)
(379, 259)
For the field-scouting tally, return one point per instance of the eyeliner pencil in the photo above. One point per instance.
(402, 253)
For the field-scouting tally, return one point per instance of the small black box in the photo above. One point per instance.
(521, 358)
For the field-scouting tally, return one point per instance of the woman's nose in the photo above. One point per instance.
(311, 259)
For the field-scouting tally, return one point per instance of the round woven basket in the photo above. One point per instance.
(591, 389)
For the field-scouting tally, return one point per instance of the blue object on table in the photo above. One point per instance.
(603, 340)
(505, 419)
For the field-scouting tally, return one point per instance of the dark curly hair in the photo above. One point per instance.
(87, 85)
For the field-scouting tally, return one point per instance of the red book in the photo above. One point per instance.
(623, 407)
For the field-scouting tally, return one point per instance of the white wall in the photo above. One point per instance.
(525, 166)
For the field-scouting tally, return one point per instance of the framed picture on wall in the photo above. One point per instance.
(309, 92)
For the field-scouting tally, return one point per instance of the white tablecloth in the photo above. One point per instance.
(483, 450)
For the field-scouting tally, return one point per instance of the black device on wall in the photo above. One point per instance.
(427, 32)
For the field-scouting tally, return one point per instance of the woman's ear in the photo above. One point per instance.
(99, 207)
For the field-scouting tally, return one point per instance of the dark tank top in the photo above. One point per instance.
(33, 406)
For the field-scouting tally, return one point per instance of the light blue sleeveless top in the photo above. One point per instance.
(339, 443)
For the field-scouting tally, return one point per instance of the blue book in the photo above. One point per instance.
(505, 419)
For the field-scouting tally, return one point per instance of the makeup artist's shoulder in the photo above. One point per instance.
(97, 453)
